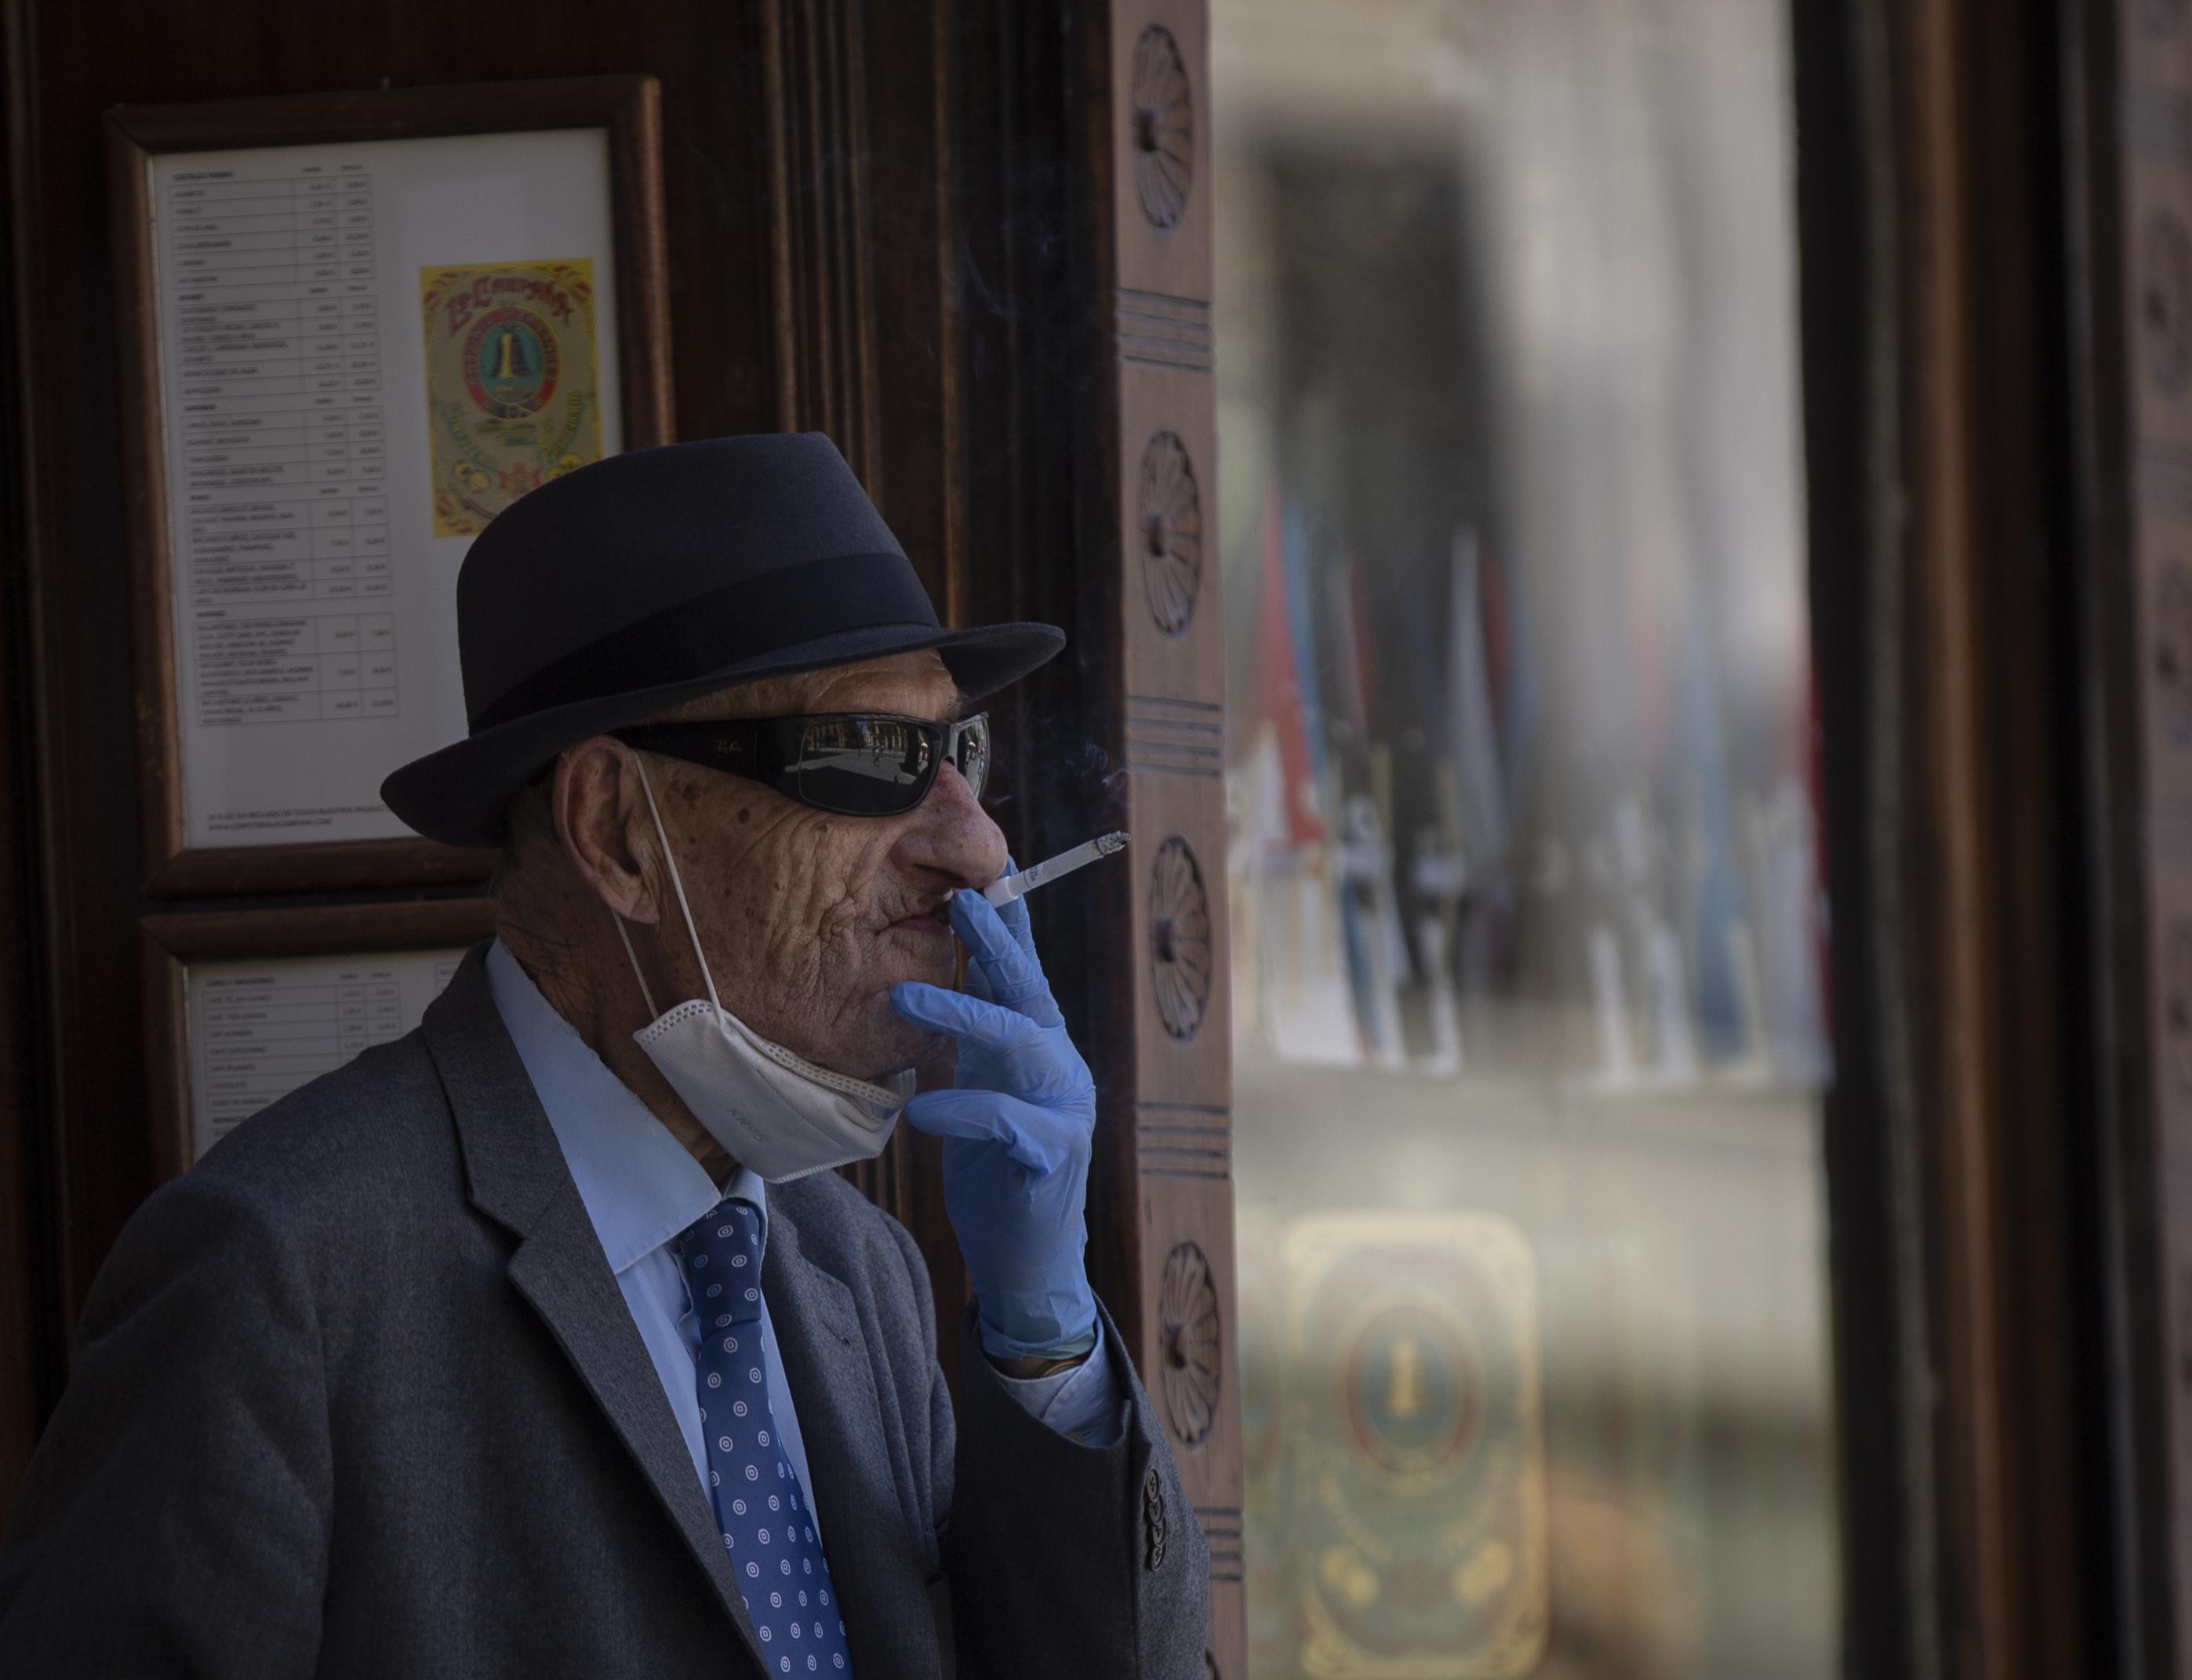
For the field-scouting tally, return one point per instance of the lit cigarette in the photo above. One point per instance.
(1008, 888)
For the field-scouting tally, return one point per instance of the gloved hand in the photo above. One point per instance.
(1016, 1126)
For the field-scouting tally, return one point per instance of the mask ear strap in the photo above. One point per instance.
(632, 957)
(667, 857)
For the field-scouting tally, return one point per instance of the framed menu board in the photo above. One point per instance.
(353, 327)
(242, 1007)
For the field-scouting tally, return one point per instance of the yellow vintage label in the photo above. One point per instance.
(1418, 1517)
(513, 395)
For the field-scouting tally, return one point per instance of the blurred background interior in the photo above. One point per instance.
(1524, 835)
(1628, 565)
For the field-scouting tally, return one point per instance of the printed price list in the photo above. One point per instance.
(281, 460)
(261, 1030)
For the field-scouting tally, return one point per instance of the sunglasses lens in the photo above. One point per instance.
(862, 766)
(973, 757)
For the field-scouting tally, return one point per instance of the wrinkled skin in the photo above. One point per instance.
(808, 918)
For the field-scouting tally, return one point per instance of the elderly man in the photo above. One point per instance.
(542, 1342)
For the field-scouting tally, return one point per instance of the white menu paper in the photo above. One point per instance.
(314, 613)
(260, 1029)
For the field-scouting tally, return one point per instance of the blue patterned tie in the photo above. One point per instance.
(769, 1535)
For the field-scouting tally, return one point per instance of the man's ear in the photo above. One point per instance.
(601, 818)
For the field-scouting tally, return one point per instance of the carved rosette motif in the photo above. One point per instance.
(2176, 1007)
(1168, 511)
(2171, 631)
(1187, 1321)
(1164, 128)
(2165, 301)
(1179, 938)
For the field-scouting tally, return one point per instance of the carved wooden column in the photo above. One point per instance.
(1156, 666)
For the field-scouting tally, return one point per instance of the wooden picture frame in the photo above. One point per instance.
(172, 941)
(627, 109)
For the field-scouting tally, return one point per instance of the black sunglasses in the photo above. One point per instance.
(855, 764)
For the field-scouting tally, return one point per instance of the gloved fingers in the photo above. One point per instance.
(985, 1117)
(970, 1019)
(976, 984)
(976, 1122)
(1015, 977)
(1011, 967)
(1014, 913)
(974, 979)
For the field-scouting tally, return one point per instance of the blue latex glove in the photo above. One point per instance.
(1016, 1126)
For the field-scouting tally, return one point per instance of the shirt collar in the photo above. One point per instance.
(640, 1187)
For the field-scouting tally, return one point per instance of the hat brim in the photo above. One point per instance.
(458, 795)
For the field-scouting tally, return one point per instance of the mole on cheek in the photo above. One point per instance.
(745, 815)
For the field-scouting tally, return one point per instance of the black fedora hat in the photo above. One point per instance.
(619, 589)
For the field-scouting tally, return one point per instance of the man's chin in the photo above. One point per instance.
(888, 1046)
(933, 960)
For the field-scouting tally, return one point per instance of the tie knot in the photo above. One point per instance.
(721, 1254)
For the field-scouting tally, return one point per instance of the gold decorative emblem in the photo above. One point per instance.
(513, 395)
(1419, 1501)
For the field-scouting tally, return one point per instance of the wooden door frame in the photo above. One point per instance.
(31, 1338)
(1965, 1196)
(1961, 603)
(2104, 112)
(942, 305)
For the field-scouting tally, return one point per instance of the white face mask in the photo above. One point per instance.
(774, 1110)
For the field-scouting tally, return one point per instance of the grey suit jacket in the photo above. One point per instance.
(358, 1395)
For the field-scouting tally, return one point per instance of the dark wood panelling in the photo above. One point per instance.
(879, 226)
(92, 1159)
(1844, 253)
(2113, 67)
(1963, 1163)
(1992, 789)
(814, 63)
(29, 1348)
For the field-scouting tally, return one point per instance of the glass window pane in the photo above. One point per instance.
(1528, 929)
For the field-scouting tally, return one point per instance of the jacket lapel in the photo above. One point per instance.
(517, 1178)
(852, 1452)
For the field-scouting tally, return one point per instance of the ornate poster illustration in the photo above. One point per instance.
(513, 395)
(1419, 1502)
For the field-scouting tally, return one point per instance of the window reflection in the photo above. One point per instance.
(1528, 934)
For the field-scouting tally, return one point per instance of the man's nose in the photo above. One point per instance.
(953, 834)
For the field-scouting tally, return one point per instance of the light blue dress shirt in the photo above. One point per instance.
(640, 1188)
